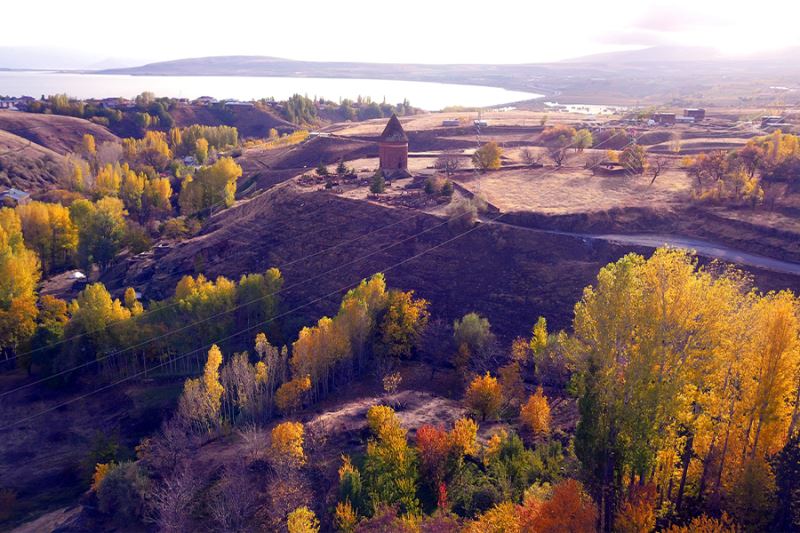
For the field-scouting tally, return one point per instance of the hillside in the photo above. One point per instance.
(250, 121)
(27, 165)
(58, 133)
(510, 274)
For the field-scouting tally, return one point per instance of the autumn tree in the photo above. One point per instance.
(569, 509)
(101, 229)
(201, 150)
(302, 520)
(98, 323)
(19, 275)
(535, 414)
(210, 187)
(487, 157)
(634, 159)
(49, 230)
(289, 396)
(88, 146)
(202, 397)
(390, 465)
(484, 396)
(433, 445)
(287, 444)
(582, 140)
(502, 518)
(404, 320)
(151, 150)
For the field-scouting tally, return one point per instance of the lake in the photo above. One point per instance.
(426, 95)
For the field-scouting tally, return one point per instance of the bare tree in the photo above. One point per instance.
(166, 451)
(233, 499)
(657, 166)
(558, 154)
(448, 161)
(593, 160)
(531, 157)
(171, 502)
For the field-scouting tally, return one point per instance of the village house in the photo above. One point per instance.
(13, 197)
(205, 100)
(665, 119)
(8, 103)
(697, 114)
(770, 121)
(451, 122)
(393, 150)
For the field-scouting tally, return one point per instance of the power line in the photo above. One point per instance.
(217, 315)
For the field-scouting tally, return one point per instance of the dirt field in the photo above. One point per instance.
(575, 190)
(429, 121)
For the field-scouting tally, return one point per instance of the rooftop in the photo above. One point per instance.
(393, 132)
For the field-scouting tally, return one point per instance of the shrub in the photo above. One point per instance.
(378, 184)
(122, 492)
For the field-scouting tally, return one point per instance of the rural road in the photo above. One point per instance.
(704, 248)
(701, 247)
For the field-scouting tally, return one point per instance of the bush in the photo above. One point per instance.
(378, 184)
(462, 214)
(122, 492)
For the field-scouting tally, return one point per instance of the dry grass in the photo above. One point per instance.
(576, 190)
(429, 121)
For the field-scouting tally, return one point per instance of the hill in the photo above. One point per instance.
(511, 274)
(250, 121)
(27, 165)
(650, 76)
(58, 133)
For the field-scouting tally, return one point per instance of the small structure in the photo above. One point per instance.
(393, 150)
(685, 120)
(206, 100)
(696, 113)
(665, 119)
(451, 122)
(769, 121)
(480, 123)
(13, 197)
(610, 168)
(8, 103)
(237, 103)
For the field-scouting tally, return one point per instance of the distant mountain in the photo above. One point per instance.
(653, 54)
(41, 57)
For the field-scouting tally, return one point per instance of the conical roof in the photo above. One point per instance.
(393, 132)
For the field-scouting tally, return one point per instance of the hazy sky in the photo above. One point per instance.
(430, 31)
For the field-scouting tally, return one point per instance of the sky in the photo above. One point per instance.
(420, 31)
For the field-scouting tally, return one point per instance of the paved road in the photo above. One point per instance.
(704, 248)
(701, 247)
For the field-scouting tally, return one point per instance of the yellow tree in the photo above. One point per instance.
(287, 444)
(487, 157)
(484, 396)
(535, 414)
(202, 397)
(19, 275)
(289, 396)
(49, 230)
(88, 145)
(302, 520)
